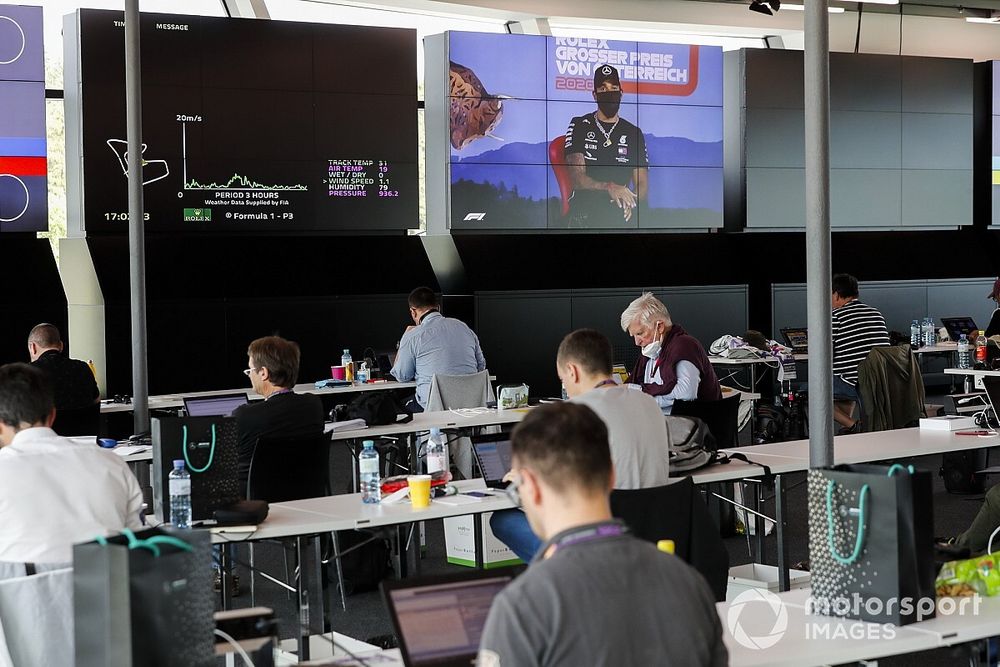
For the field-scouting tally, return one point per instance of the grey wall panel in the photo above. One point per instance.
(707, 312)
(937, 85)
(937, 198)
(602, 310)
(774, 78)
(937, 141)
(959, 298)
(775, 138)
(864, 140)
(864, 82)
(865, 198)
(520, 333)
(776, 198)
(899, 301)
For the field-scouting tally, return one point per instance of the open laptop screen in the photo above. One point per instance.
(214, 406)
(494, 456)
(439, 623)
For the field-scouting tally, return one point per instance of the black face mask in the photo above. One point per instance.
(608, 102)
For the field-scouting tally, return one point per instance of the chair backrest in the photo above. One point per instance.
(720, 416)
(677, 512)
(906, 387)
(557, 158)
(289, 469)
(78, 421)
(451, 392)
(36, 619)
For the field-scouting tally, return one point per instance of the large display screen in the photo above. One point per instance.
(23, 170)
(996, 142)
(563, 132)
(252, 125)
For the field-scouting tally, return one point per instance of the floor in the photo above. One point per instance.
(366, 617)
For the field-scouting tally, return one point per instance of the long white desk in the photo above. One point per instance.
(172, 401)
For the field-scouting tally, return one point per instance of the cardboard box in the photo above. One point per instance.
(460, 543)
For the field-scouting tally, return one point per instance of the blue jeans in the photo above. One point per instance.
(511, 527)
(844, 391)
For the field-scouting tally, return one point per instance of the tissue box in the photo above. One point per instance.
(947, 423)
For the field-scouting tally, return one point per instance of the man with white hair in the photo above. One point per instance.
(673, 365)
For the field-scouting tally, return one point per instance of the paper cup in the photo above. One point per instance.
(338, 372)
(420, 490)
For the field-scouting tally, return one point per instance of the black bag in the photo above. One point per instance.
(364, 566)
(870, 543)
(150, 604)
(210, 450)
(376, 408)
(959, 471)
(692, 445)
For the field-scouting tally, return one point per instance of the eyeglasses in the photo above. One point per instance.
(248, 371)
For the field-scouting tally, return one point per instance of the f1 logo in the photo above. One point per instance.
(475, 216)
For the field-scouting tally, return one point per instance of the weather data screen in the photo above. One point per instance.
(252, 125)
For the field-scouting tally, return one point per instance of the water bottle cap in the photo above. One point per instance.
(178, 463)
(666, 546)
(368, 444)
(346, 351)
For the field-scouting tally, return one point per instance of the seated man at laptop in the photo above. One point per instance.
(636, 429)
(56, 491)
(594, 594)
(72, 380)
(673, 365)
(273, 368)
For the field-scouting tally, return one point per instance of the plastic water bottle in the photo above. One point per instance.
(180, 495)
(348, 363)
(371, 481)
(363, 373)
(981, 347)
(929, 333)
(437, 452)
(915, 335)
(963, 352)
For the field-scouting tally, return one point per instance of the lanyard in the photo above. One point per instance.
(589, 534)
(279, 392)
(604, 383)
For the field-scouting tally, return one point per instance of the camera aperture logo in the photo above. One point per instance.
(752, 600)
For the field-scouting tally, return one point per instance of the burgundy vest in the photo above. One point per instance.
(678, 346)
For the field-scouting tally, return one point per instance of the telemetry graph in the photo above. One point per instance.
(235, 182)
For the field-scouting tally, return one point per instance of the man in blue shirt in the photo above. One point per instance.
(434, 344)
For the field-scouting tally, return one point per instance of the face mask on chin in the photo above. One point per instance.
(609, 102)
(652, 349)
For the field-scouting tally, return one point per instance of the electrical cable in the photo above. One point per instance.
(857, 34)
(235, 645)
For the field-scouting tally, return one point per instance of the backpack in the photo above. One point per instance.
(376, 408)
(365, 561)
(692, 445)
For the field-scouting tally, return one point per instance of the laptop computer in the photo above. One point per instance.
(493, 454)
(439, 621)
(991, 384)
(796, 338)
(957, 326)
(221, 405)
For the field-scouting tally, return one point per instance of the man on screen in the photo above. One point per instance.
(606, 154)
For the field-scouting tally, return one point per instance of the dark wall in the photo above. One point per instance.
(32, 293)
(208, 297)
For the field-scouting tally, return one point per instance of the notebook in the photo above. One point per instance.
(439, 621)
(493, 454)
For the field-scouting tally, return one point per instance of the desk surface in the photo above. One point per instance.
(169, 401)
(443, 419)
(969, 371)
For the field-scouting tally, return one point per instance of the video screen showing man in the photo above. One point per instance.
(600, 148)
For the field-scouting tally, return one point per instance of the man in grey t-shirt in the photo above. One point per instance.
(594, 594)
(636, 429)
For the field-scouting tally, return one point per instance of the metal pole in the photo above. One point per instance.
(136, 229)
(817, 141)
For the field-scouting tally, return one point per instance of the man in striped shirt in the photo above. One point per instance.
(856, 329)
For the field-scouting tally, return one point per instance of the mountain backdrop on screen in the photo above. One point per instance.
(252, 125)
(23, 170)
(531, 147)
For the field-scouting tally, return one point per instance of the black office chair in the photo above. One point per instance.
(78, 421)
(720, 416)
(284, 469)
(677, 512)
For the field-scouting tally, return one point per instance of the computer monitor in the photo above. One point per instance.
(493, 453)
(796, 338)
(439, 621)
(221, 405)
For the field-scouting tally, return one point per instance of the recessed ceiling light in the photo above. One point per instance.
(801, 8)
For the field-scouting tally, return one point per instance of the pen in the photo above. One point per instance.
(975, 433)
